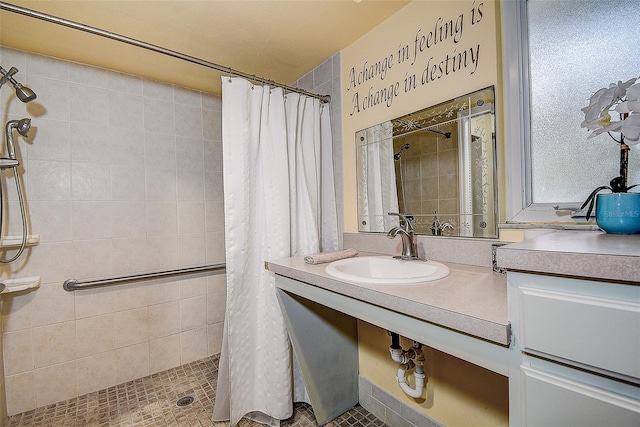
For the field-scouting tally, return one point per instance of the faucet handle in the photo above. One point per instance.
(447, 226)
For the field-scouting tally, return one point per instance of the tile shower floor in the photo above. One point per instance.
(151, 401)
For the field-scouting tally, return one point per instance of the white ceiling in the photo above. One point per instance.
(278, 40)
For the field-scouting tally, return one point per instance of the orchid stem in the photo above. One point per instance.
(624, 162)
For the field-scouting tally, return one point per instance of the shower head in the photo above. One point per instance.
(445, 134)
(23, 93)
(22, 126)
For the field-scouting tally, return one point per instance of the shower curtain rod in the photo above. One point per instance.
(86, 28)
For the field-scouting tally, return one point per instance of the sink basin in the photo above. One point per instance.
(386, 270)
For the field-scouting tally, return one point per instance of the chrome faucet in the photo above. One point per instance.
(438, 228)
(407, 235)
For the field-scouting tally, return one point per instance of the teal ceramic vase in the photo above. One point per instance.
(618, 213)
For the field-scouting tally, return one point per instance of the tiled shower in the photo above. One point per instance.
(123, 175)
(429, 176)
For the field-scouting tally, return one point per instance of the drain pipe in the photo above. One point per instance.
(408, 359)
(419, 378)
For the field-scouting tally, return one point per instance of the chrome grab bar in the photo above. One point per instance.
(71, 285)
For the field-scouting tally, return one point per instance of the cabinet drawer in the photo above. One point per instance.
(594, 331)
(551, 400)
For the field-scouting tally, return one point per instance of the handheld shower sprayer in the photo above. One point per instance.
(22, 126)
(23, 93)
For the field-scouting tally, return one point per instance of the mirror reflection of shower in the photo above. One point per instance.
(22, 127)
(450, 167)
(400, 173)
(407, 168)
(398, 155)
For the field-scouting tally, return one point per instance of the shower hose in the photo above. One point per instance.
(23, 243)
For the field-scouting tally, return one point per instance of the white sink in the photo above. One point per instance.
(386, 270)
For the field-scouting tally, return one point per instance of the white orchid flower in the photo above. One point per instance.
(632, 101)
(601, 124)
(611, 127)
(621, 88)
(597, 102)
(597, 116)
(605, 98)
(631, 129)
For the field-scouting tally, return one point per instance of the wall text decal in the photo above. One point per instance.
(366, 82)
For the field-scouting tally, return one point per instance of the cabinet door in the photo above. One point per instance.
(598, 332)
(551, 400)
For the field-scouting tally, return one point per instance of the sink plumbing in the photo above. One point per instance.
(408, 359)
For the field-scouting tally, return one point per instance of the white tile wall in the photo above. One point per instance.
(21, 394)
(164, 353)
(18, 352)
(95, 369)
(121, 175)
(53, 384)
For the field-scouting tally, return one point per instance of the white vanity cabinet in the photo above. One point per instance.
(577, 343)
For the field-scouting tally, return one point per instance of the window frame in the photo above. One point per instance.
(517, 125)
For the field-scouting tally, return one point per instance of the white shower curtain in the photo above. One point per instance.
(279, 201)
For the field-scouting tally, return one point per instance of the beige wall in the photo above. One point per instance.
(458, 393)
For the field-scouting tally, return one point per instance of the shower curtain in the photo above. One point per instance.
(279, 199)
(378, 194)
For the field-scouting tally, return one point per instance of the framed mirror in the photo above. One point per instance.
(437, 165)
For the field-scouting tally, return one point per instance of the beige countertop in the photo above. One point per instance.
(471, 300)
(589, 254)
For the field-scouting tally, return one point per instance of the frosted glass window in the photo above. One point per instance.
(575, 48)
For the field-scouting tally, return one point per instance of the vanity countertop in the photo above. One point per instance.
(589, 254)
(471, 300)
